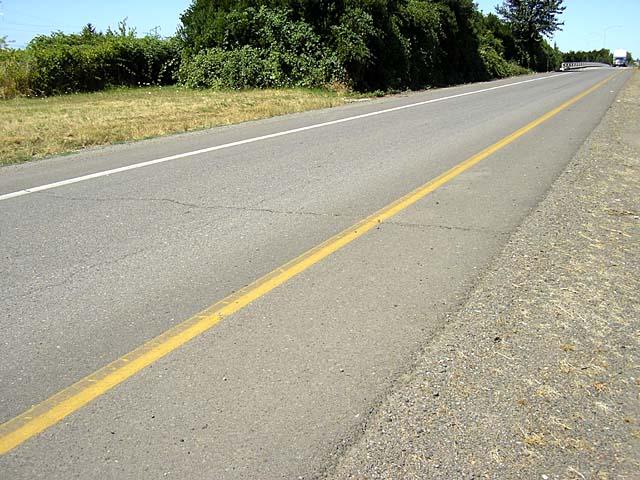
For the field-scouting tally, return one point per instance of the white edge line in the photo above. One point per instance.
(134, 166)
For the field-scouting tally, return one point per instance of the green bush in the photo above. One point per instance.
(65, 66)
(500, 35)
(493, 57)
(90, 61)
(496, 65)
(262, 48)
(545, 58)
(15, 74)
(218, 68)
(250, 67)
(365, 44)
(370, 44)
(424, 27)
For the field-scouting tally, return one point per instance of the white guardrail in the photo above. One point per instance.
(577, 65)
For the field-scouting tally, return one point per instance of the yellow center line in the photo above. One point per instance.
(54, 409)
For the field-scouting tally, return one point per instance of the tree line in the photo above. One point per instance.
(362, 44)
(604, 55)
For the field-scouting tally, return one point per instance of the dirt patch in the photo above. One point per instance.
(539, 375)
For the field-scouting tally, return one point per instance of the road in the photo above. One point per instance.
(92, 270)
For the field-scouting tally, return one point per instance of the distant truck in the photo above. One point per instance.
(619, 58)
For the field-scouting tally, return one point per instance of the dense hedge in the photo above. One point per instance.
(250, 67)
(364, 44)
(378, 44)
(269, 49)
(61, 63)
(369, 44)
(60, 66)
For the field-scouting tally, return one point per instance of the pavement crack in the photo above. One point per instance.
(194, 205)
(81, 269)
(445, 227)
(120, 199)
(280, 212)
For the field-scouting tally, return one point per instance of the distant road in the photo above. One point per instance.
(107, 249)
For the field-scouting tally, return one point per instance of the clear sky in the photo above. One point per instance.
(589, 24)
(594, 24)
(21, 20)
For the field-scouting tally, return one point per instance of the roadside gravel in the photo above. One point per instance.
(538, 375)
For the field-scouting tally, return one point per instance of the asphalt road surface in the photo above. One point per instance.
(93, 269)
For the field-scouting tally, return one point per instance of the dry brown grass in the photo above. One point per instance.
(37, 127)
(535, 439)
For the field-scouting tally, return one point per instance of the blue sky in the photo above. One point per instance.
(589, 24)
(592, 24)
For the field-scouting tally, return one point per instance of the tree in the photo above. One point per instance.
(603, 55)
(88, 30)
(530, 21)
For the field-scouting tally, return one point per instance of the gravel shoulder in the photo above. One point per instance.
(538, 375)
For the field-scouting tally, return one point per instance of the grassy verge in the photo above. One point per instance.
(33, 128)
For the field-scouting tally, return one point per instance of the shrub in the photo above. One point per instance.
(351, 38)
(61, 63)
(262, 48)
(218, 68)
(496, 65)
(492, 54)
(424, 26)
(15, 74)
(250, 67)
(378, 44)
